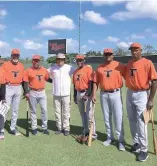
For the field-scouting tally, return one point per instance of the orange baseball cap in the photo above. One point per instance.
(135, 45)
(80, 57)
(108, 50)
(36, 57)
(15, 52)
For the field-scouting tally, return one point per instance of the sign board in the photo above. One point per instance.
(57, 46)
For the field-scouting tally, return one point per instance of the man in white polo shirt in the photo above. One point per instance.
(61, 83)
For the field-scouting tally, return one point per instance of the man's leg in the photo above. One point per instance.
(33, 102)
(105, 106)
(58, 114)
(15, 108)
(66, 114)
(117, 110)
(140, 103)
(44, 116)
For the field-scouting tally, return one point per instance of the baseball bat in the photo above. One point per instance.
(27, 126)
(91, 127)
(154, 136)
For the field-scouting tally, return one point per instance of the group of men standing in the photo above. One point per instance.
(140, 79)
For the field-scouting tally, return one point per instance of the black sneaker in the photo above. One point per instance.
(135, 148)
(142, 156)
(34, 132)
(14, 132)
(66, 133)
(46, 131)
(58, 132)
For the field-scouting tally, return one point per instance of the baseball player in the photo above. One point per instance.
(109, 78)
(83, 84)
(35, 78)
(61, 82)
(2, 99)
(14, 71)
(140, 78)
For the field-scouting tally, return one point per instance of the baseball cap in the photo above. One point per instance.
(15, 52)
(60, 56)
(135, 45)
(108, 50)
(36, 57)
(80, 57)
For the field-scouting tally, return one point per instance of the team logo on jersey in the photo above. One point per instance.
(108, 73)
(15, 73)
(132, 72)
(78, 77)
(39, 77)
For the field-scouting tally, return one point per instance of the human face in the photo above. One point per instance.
(80, 63)
(60, 61)
(108, 57)
(136, 53)
(36, 63)
(15, 58)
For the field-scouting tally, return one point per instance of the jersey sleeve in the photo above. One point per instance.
(152, 74)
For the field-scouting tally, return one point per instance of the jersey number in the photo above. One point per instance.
(108, 73)
(132, 72)
(15, 73)
(39, 77)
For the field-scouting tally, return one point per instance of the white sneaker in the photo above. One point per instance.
(121, 146)
(108, 142)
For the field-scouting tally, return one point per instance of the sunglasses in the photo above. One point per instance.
(108, 54)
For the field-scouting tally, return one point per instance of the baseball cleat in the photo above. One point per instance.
(108, 142)
(135, 148)
(46, 132)
(121, 146)
(66, 133)
(1, 136)
(58, 132)
(14, 132)
(34, 132)
(143, 156)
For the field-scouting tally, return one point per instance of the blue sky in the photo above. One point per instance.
(29, 25)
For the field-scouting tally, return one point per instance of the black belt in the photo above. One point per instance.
(82, 91)
(110, 91)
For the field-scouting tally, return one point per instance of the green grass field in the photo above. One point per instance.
(59, 150)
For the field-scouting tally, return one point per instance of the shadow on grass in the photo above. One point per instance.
(155, 122)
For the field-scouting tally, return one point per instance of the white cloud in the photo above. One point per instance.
(148, 30)
(135, 36)
(94, 17)
(57, 22)
(112, 39)
(72, 45)
(3, 13)
(16, 40)
(123, 44)
(48, 33)
(154, 35)
(4, 45)
(137, 9)
(91, 41)
(107, 2)
(31, 45)
(84, 46)
(2, 27)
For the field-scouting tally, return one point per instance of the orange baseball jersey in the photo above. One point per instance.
(139, 74)
(2, 76)
(109, 76)
(36, 77)
(14, 73)
(81, 77)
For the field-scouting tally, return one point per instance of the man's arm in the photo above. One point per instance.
(153, 88)
(2, 91)
(25, 87)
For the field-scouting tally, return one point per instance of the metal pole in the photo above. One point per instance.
(79, 35)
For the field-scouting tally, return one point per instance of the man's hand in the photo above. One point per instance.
(149, 104)
(94, 98)
(26, 96)
(85, 98)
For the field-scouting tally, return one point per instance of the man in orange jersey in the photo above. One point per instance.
(14, 73)
(2, 99)
(35, 77)
(140, 78)
(109, 78)
(83, 84)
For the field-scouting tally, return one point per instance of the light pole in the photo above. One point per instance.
(79, 35)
